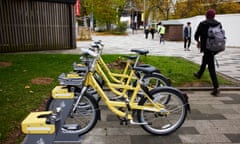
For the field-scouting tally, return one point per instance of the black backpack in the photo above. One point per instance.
(216, 39)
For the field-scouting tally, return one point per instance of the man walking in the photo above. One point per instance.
(208, 56)
(187, 36)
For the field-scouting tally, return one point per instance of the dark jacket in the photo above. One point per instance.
(202, 32)
(187, 32)
(146, 31)
(152, 30)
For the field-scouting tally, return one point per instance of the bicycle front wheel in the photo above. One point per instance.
(84, 118)
(158, 122)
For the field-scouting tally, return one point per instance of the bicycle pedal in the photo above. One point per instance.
(123, 122)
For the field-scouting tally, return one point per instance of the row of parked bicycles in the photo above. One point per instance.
(138, 95)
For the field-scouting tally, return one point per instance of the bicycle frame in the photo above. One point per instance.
(112, 75)
(113, 86)
(114, 105)
(98, 46)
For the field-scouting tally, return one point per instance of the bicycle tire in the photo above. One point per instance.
(87, 105)
(164, 124)
(49, 104)
(156, 80)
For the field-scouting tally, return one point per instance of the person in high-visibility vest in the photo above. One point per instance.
(161, 30)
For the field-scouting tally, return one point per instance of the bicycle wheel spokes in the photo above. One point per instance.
(166, 122)
(153, 82)
(84, 118)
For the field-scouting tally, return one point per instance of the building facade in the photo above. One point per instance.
(35, 25)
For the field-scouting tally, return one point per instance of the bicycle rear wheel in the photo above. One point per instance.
(159, 123)
(155, 80)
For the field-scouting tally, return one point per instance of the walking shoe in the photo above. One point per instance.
(197, 75)
(215, 92)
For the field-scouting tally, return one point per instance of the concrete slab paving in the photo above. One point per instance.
(215, 122)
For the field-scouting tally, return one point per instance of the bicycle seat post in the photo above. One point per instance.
(136, 61)
(139, 52)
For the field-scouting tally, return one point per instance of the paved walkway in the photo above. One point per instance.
(213, 120)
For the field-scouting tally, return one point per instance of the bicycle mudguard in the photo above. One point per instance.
(174, 90)
(160, 76)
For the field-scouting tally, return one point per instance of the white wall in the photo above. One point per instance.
(230, 22)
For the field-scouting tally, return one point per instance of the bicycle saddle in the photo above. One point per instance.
(130, 57)
(146, 70)
(141, 52)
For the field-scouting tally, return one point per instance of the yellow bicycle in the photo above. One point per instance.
(152, 112)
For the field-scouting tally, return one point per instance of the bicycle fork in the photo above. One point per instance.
(84, 89)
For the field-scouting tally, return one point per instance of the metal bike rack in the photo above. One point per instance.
(45, 127)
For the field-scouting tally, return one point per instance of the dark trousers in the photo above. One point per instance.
(152, 35)
(161, 38)
(187, 42)
(146, 33)
(208, 59)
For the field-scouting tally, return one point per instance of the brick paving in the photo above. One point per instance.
(213, 120)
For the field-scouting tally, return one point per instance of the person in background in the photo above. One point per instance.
(208, 56)
(146, 31)
(187, 36)
(161, 30)
(152, 31)
(134, 27)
